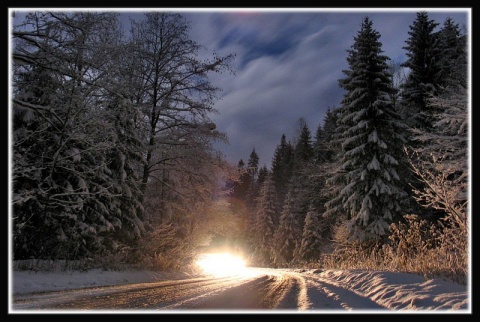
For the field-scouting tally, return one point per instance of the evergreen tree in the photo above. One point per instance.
(252, 165)
(371, 141)
(240, 186)
(326, 150)
(330, 123)
(289, 232)
(266, 220)
(282, 166)
(319, 146)
(69, 172)
(303, 151)
(252, 171)
(442, 161)
(262, 175)
(323, 149)
(301, 171)
(440, 152)
(449, 107)
(437, 60)
(126, 158)
(312, 237)
(423, 80)
(453, 55)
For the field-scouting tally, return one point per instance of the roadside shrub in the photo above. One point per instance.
(415, 245)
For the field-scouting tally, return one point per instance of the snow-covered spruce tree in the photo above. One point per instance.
(440, 158)
(317, 192)
(126, 159)
(240, 186)
(289, 231)
(319, 146)
(312, 239)
(324, 148)
(423, 79)
(282, 166)
(237, 198)
(65, 196)
(266, 221)
(303, 151)
(449, 108)
(453, 55)
(442, 163)
(439, 60)
(299, 186)
(370, 134)
(252, 188)
(262, 175)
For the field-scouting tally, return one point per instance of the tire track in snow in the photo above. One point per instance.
(262, 289)
(295, 292)
(264, 292)
(326, 294)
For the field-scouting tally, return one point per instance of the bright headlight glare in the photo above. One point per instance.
(221, 263)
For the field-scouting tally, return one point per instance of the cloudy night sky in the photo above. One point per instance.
(288, 63)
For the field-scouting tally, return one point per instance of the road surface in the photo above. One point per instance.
(256, 289)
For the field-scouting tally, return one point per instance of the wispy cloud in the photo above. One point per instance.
(287, 65)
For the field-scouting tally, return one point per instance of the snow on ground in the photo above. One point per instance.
(394, 291)
(23, 282)
(402, 291)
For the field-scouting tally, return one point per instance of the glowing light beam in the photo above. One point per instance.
(221, 264)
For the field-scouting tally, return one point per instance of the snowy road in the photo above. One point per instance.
(258, 289)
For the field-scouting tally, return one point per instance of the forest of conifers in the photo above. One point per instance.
(113, 157)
